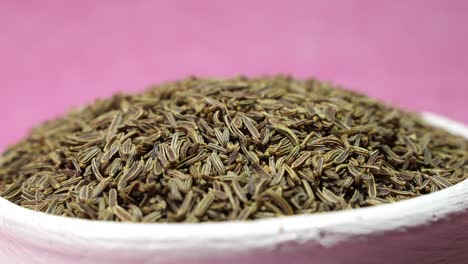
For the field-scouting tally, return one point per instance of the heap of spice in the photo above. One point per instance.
(240, 149)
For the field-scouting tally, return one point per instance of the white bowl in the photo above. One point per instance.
(426, 229)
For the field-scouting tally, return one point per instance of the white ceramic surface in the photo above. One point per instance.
(427, 229)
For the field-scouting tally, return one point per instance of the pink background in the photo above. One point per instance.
(56, 54)
(59, 54)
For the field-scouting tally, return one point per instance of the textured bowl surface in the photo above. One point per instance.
(427, 229)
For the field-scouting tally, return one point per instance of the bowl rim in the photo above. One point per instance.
(324, 229)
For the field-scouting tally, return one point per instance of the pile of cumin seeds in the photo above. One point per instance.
(239, 149)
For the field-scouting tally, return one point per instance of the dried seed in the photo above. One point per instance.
(132, 173)
(299, 161)
(204, 204)
(250, 126)
(113, 198)
(288, 132)
(123, 214)
(280, 201)
(239, 149)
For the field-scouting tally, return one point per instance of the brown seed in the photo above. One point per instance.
(299, 161)
(122, 214)
(280, 201)
(113, 198)
(260, 171)
(239, 192)
(250, 126)
(204, 204)
(132, 173)
(288, 132)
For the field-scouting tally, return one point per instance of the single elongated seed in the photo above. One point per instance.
(175, 193)
(136, 213)
(341, 157)
(427, 156)
(441, 182)
(286, 131)
(171, 155)
(152, 217)
(292, 173)
(217, 148)
(122, 214)
(101, 187)
(107, 156)
(371, 187)
(10, 188)
(89, 155)
(204, 204)
(114, 125)
(250, 126)
(280, 201)
(85, 193)
(126, 147)
(185, 207)
(299, 161)
(218, 164)
(278, 176)
(260, 171)
(233, 156)
(132, 173)
(238, 191)
(95, 169)
(112, 198)
(250, 154)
